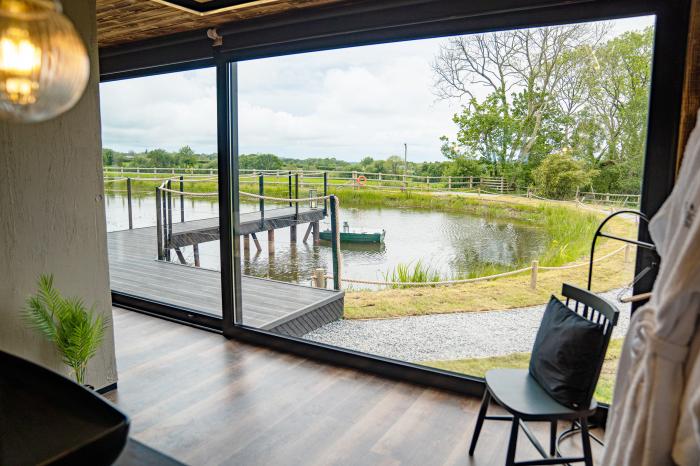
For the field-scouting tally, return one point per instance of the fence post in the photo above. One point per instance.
(318, 279)
(159, 225)
(380, 176)
(533, 274)
(296, 194)
(334, 245)
(471, 182)
(325, 193)
(182, 199)
(261, 192)
(289, 187)
(354, 180)
(449, 182)
(128, 200)
(169, 229)
(578, 193)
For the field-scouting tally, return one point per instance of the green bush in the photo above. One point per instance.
(559, 175)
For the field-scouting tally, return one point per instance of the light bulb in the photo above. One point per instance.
(44, 66)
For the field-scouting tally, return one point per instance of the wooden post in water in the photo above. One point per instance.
(318, 278)
(308, 232)
(533, 274)
(246, 245)
(293, 234)
(257, 243)
(128, 201)
(182, 199)
(271, 241)
(316, 228)
(335, 239)
(195, 249)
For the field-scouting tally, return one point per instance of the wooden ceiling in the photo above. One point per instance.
(124, 21)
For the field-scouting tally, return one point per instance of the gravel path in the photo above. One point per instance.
(447, 336)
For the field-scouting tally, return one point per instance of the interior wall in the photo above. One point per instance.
(52, 216)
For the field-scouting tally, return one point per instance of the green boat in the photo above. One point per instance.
(354, 235)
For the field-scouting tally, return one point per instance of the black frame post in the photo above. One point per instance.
(128, 201)
(325, 193)
(229, 216)
(334, 245)
(296, 194)
(261, 193)
(289, 183)
(182, 199)
(159, 225)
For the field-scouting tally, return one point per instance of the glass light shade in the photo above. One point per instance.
(44, 66)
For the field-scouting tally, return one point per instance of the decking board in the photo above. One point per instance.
(267, 304)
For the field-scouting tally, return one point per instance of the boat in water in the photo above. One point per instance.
(355, 235)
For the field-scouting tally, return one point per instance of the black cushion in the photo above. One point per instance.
(566, 354)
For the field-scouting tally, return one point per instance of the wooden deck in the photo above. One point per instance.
(267, 304)
(200, 231)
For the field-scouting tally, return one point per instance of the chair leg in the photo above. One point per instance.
(512, 442)
(480, 420)
(553, 439)
(586, 441)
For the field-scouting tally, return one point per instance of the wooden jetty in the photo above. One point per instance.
(285, 308)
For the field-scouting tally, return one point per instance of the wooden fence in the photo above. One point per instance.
(356, 179)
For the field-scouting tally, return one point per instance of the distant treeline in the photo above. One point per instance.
(187, 158)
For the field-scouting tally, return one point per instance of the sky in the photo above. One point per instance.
(346, 103)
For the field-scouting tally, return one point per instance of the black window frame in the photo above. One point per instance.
(371, 22)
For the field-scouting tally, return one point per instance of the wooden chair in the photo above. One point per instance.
(518, 392)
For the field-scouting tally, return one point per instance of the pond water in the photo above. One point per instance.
(453, 244)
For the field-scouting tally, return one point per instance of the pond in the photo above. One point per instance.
(453, 244)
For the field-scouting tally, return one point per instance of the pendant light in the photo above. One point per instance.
(44, 66)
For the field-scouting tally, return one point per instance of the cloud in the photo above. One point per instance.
(347, 103)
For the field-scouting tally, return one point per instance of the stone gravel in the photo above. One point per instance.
(448, 336)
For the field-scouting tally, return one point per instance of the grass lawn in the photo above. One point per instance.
(478, 367)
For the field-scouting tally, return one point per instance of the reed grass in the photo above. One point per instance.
(417, 272)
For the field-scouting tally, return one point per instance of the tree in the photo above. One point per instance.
(260, 161)
(618, 93)
(108, 157)
(559, 175)
(186, 157)
(159, 158)
(393, 165)
(529, 65)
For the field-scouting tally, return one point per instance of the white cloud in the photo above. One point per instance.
(346, 103)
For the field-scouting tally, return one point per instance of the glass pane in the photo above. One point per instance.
(483, 162)
(160, 165)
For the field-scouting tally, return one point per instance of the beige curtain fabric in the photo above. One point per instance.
(650, 396)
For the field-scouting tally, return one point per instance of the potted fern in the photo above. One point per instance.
(75, 330)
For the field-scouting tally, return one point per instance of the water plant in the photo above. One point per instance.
(75, 331)
(412, 273)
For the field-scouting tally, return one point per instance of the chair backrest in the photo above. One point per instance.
(597, 310)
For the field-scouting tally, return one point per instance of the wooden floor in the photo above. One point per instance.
(267, 304)
(206, 400)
